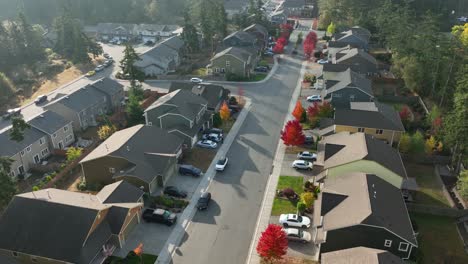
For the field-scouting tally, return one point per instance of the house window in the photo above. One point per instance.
(54, 135)
(65, 128)
(21, 170)
(14, 253)
(351, 97)
(41, 141)
(22, 153)
(44, 152)
(216, 70)
(37, 159)
(223, 70)
(228, 63)
(28, 149)
(403, 246)
(112, 170)
(69, 138)
(360, 129)
(150, 123)
(12, 173)
(379, 131)
(388, 243)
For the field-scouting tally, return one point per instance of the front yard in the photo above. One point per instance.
(438, 240)
(282, 206)
(430, 192)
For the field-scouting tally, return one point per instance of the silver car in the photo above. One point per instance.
(302, 165)
(295, 234)
(306, 155)
(207, 144)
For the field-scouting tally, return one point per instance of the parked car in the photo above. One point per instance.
(207, 144)
(149, 43)
(269, 53)
(159, 216)
(40, 99)
(99, 68)
(12, 112)
(322, 61)
(196, 80)
(221, 164)
(295, 234)
(218, 138)
(90, 73)
(309, 139)
(294, 220)
(175, 192)
(234, 109)
(302, 165)
(314, 98)
(204, 201)
(261, 69)
(189, 170)
(106, 55)
(214, 131)
(306, 155)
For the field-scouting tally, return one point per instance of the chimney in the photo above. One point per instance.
(48, 194)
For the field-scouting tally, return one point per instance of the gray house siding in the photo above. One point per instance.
(27, 159)
(62, 138)
(66, 113)
(343, 97)
(230, 64)
(365, 236)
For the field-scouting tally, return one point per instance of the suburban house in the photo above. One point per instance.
(373, 118)
(278, 17)
(346, 87)
(362, 255)
(233, 60)
(241, 39)
(366, 64)
(163, 58)
(260, 32)
(59, 130)
(180, 113)
(124, 32)
(114, 31)
(214, 94)
(56, 226)
(362, 210)
(84, 105)
(358, 152)
(356, 37)
(153, 32)
(145, 156)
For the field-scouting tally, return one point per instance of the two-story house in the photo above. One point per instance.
(260, 32)
(145, 156)
(364, 62)
(373, 118)
(181, 113)
(356, 37)
(59, 130)
(53, 226)
(161, 59)
(84, 105)
(233, 60)
(362, 210)
(214, 94)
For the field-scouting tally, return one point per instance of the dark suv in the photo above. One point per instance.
(159, 216)
(189, 170)
(175, 192)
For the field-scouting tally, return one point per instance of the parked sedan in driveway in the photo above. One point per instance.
(159, 216)
(175, 192)
(314, 98)
(302, 165)
(213, 137)
(261, 69)
(204, 201)
(306, 155)
(221, 164)
(294, 220)
(322, 61)
(299, 235)
(90, 73)
(207, 144)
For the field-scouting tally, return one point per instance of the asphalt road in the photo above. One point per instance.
(223, 233)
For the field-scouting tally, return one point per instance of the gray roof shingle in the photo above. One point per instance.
(349, 79)
(49, 122)
(9, 147)
(240, 53)
(182, 102)
(212, 93)
(120, 192)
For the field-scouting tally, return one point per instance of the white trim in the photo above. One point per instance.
(388, 243)
(404, 243)
(28, 147)
(180, 132)
(392, 231)
(174, 114)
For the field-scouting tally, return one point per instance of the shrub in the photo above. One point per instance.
(48, 178)
(217, 121)
(233, 100)
(289, 193)
(301, 207)
(81, 185)
(169, 202)
(308, 199)
(35, 188)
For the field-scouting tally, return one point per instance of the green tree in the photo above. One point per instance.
(18, 128)
(331, 29)
(308, 199)
(127, 64)
(7, 185)
(134, 111)
(73, 153)
(405, 143)
(206, 25)
(430, 145)
(417, 143)
(461, 32)
(189, 35)
(301, 207)
(220, 18)
(462, 184)
(136, 89)
(217, 121)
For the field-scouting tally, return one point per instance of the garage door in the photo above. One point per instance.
(128, 229)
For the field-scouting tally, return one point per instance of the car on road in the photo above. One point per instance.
(159, 216)
(302, 165)
(295, 234)
(174, 192)
(185, 169)
(306, 155)
(314, 98)
(462, 19)
(40, 99)
(90, 73)
(207, 144)
(218, 138)
(261, 69)
(99, 68)
(11, 113)
(322, 61)
(221, 164)
(204, 201)
(106, 55)
(294, 220)
(108, 62)
(196, 80)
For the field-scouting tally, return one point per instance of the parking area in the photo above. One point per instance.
(305, 92)
(116, 52)
(286, 168)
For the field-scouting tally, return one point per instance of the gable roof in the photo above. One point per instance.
(10, 147)
(243, 36)
(330, 67)
(175, 43)
(108, 86)
(119, 192)
(212, 93)
(360, 33)
(258, 28)
(107, 28)
(180, 102)
(239, 53)
(342, 148)
(369, 114)
(349, 79)
(348, 54)
(360, 255)
(370, 201)
(160, 55)
(48, 122)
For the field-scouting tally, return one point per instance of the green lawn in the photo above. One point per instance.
(281, 206)
(438, 239)
(199, 72)
(430, 192)
(257, 77)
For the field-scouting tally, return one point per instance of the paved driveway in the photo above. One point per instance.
(287, 170)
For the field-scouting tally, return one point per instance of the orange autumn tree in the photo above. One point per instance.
(298, 111)
(224, 112)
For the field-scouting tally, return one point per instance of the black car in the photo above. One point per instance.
(189, 170)
(159, 216)
(40, 99)
(261, 69)
(203, 201)
(309, 140)
(175, 192)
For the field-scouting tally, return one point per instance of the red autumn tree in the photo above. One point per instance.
(298, 111)
(278, 48)
(273, 243)
(282, 40)
(224, 112)
(405, 114)
(313, 110)
(292, 134)
(309, 44)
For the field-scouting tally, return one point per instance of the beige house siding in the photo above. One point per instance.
(27, 159)
(98, 170)
(390, 136)
(234, 66)
(29, 259)
(66, 113)
(369, 167)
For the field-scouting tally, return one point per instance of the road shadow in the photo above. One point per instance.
(207, 216)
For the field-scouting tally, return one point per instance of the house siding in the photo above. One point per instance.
(28, 259)
(66, 113)
(61, 136)
(236, 66)
(97, 171)
(390, 136)
(170, 120)
(343, 97)
(27, 160)
(363, 236)
(368, 167)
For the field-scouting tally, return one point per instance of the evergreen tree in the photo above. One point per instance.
(7, 186)
(134, 111)
(127, 64)
(189, 35)
(205, 22)
(17, 131)
(220, 18)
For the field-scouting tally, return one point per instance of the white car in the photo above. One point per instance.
(213, 137)
(322, 61)
(302, 165)
(295, 234)
(221, 164)
(306, 155)
(294, 220)
(207, 144)
(196, 80)
(314, 98)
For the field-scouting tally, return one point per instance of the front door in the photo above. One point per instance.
(60, 145)
(36, 159)
(21, 170)
(159, 180)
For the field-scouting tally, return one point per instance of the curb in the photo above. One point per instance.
(174, 240)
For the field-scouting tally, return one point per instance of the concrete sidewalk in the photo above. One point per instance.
(183, 222)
